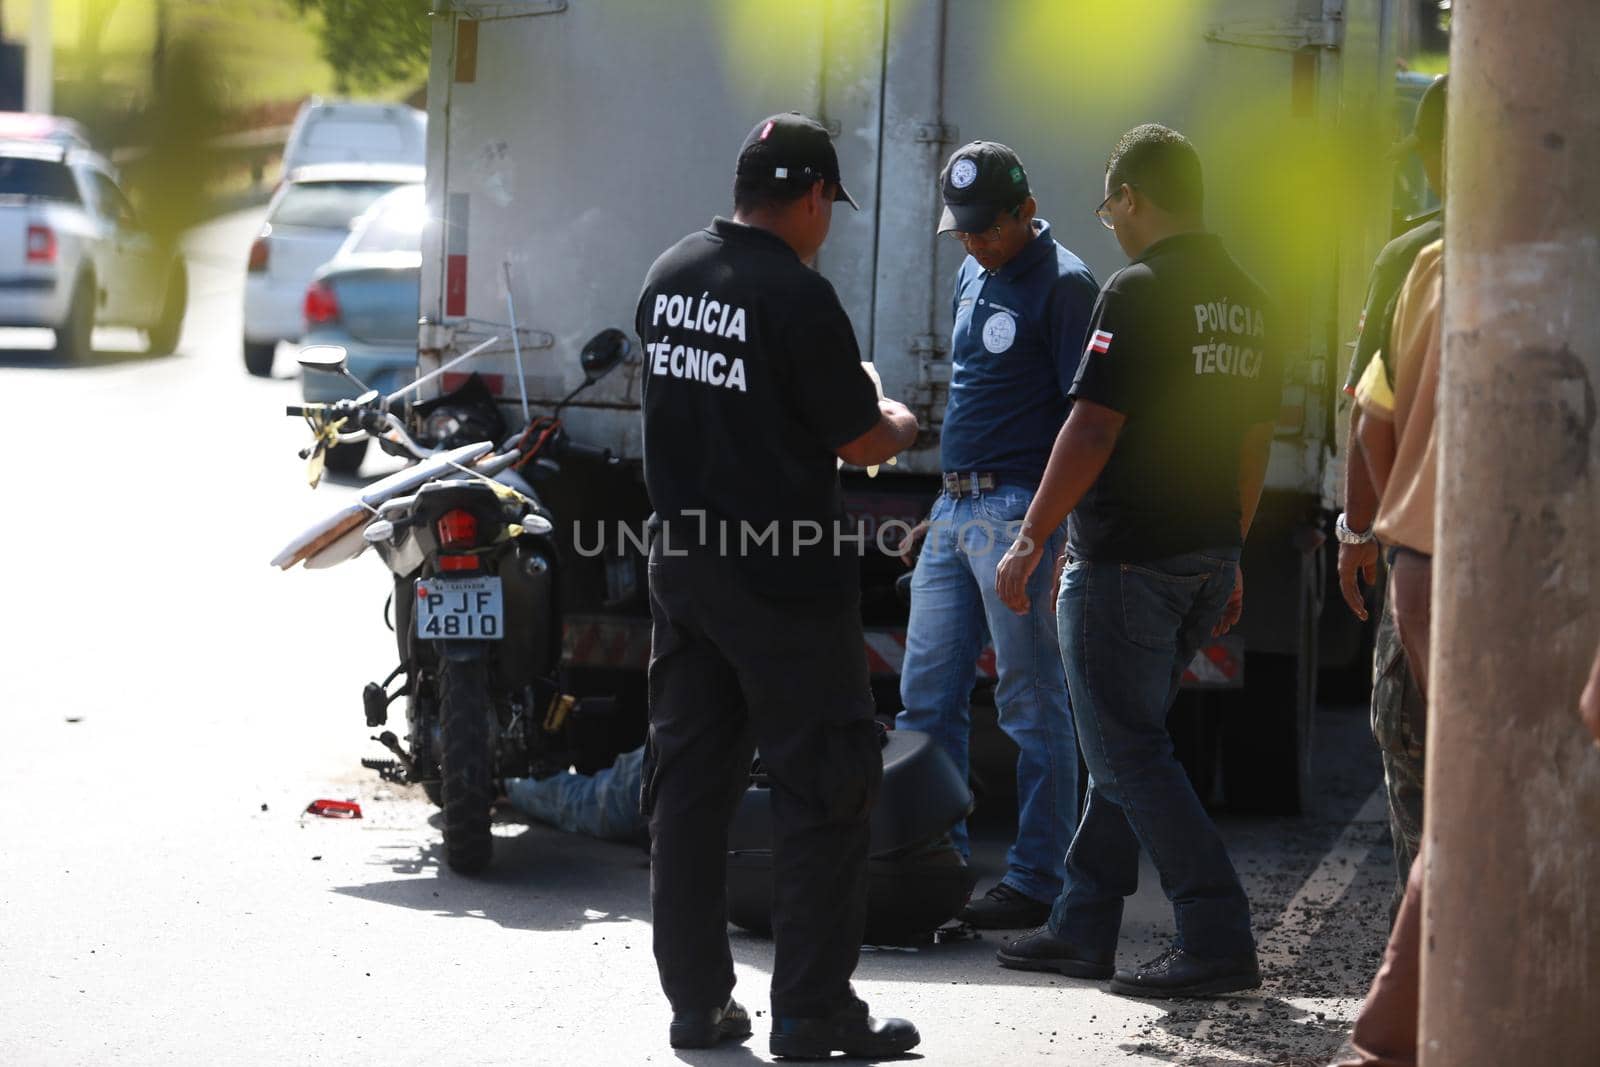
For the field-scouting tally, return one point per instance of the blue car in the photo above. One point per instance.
(365, 299)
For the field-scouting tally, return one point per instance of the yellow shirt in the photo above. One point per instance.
(1405, 514)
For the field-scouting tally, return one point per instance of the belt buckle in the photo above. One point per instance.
(952, 485)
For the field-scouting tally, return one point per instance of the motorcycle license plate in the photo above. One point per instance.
(462, 608)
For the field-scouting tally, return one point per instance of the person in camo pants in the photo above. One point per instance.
(1399, 715)
(1399, 725)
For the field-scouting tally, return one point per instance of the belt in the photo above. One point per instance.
(959, 485)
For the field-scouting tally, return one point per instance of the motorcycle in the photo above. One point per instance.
(475, 562)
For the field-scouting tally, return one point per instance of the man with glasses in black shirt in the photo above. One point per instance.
(1161, 466)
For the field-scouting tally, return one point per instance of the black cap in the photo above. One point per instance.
(790, 147)
(1427, 130)
(980, 181)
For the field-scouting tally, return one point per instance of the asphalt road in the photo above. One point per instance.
(171, 704)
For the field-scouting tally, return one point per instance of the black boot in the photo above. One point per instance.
(1004, 908)
(709, 1026)
(850, 1030)
(1041, 950)
(1179, 973)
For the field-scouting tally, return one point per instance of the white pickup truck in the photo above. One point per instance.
(568, 144)
(73, 255)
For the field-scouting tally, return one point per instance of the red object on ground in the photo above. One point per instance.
(335, 809)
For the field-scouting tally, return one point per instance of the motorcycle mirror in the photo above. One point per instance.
(378, 531)
(329, 358)
(605, 351)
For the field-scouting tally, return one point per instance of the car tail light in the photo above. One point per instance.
(457, 529)
(322, 305)
(260, 256)
(41, 244)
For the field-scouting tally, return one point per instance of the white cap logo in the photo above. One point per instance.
(964, 173)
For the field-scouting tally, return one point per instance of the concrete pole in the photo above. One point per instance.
(40, 68)
(1511, 934)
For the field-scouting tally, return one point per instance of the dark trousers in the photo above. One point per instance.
(1127, 633)
(731, 671)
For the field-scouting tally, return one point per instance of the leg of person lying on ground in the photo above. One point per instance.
(604, 804)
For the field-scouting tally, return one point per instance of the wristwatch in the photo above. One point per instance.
(1347, 536)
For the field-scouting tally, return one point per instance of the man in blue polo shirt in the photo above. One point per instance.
(1022, 305)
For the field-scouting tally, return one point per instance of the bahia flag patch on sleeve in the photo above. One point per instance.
(1100, 342)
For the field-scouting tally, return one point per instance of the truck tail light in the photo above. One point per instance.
(41, 245)
(457, 529)
(260, 256)
(322, 304)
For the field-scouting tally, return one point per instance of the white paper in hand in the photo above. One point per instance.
(872, 372)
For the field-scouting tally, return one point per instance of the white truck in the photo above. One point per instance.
(570, 142)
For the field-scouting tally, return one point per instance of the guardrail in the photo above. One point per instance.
(252, 148)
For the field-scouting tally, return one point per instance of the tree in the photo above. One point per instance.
(370, 44)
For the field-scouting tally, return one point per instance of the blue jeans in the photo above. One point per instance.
(603, 805)
(953, 608)
(1127, 633)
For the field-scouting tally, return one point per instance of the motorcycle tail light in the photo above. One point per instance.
(41, 244)
(457, 529)
(322, 305)
(458, 563)
(260, 256)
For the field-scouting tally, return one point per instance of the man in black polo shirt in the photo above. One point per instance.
(1161, 465)
(753, 390)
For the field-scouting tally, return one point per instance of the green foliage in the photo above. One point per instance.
(370, 44)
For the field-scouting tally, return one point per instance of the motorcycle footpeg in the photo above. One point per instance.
(389, 770)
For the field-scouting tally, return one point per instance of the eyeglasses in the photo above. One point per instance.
(984, 238)
(1103, 212)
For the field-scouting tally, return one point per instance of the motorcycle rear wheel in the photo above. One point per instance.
(467, 785)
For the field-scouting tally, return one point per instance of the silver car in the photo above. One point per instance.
(365, 299)
(308, 219)
(74, 255)
(340, 131)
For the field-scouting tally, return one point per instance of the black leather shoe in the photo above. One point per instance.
(1004, 908)
(709, 1026)
(1041, 950)
(850, 1030)
(1177, 973)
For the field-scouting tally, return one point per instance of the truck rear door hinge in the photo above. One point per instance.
(932, 133)
(485, 10)
(435, 336)
(929, 350)
(1281, 35)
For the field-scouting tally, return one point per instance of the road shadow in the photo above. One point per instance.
(727, 1054)
(539, 879)
(47, 359)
